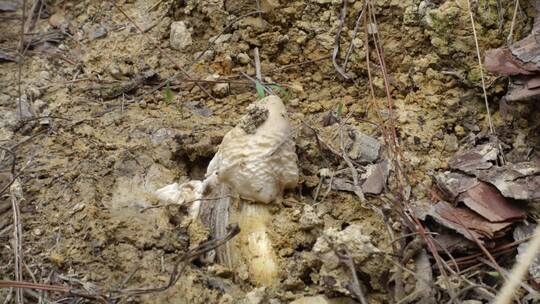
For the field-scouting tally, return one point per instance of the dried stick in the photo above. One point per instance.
(33, 16)
(345, 257)
(186, 258)
(355, 31)
(490, 122)
(257, 64)
(357, 189)
(16, 197)
(519, 270)
(20, 58)
(511, 34)
(335, 54)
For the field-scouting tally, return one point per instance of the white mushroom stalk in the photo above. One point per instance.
(256, 162)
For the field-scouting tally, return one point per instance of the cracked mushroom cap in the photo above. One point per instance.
(257, 157)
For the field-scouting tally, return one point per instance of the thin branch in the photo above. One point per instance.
(337, 42)
(355, 31)
(16, 197)
(510, 37)
(21, 58)
(519, 270)
(491, 128)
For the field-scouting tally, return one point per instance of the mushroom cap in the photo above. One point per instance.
(258, 165)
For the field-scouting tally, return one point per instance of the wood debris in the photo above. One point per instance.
(521, 59)
(517, 181)
(466, 222)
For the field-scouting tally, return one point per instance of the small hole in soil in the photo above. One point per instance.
(197, 168)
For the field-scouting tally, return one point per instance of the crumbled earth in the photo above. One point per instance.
(99, 135)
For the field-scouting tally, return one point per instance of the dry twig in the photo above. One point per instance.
(16, 198)
(519, 270)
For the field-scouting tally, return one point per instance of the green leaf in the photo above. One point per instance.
(494, 274)
(280, 89)
(339, 111)
(168, 94)
(260, 89)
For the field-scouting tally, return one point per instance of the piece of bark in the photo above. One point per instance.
(490, 204)
(452, 184)
(502, 61)
(477, 158)
(372, 181)
(375, 177)
(523, 89)
(448, 241)
(8, 6)
(522, 58)
(519, 181)
(466, 222)
(528, 49)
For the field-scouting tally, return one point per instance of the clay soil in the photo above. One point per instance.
(88, 159)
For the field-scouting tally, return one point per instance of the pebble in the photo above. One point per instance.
(322, 300)
(58, 20)
(451, 143)
(460, 131)
(243, 58)
(365, 148)
(221, 89)
(221, 39)
(96, 31)
(180, 37)
(256, 296)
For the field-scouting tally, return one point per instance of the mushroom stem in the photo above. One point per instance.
(255, 247)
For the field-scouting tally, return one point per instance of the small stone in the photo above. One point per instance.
(115, 71)
(207, 56)
(37, 232)
(58, 20)
(39, 106)
(451, 143)
(221, 89)
(221, 39)
(56, 259)
(45, 75)
(33, 92)
(96, 31)
(180, 37)
(309, 218)
(256, 296)
(365, 149)
(243, 58)
(26, 107)
(460, 131)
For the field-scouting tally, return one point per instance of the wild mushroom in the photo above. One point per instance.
(255, 163)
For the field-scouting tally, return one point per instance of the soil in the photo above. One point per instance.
(98, 138)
